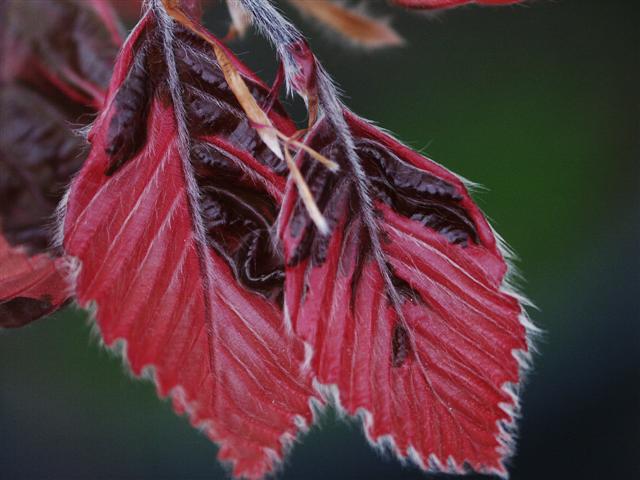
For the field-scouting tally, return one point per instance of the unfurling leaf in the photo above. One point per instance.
(252, 269)
(170, 220)
(404, 304)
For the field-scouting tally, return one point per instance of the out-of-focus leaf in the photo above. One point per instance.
(53, 73)
(31, 286)
(39, 153)
(72, 45)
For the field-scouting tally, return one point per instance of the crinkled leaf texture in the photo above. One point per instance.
(169, 221)
(438, 4)
(405, 304)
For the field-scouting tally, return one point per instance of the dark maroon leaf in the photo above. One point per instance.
(31, 286)
(54, 72)
(39, 153)
(72, 45)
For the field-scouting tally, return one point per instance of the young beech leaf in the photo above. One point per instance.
(54, 72)
(169, 221)
(438, 4)
(39, 153)
(405, 304)
(72, 45)
(30, 286)
(40, 107)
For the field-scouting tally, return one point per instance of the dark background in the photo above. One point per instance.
(541, 105)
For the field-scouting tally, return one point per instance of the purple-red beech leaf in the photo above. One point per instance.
(72, 45)
(405, 304)
(39, 153)
(31, 286)
(401, 312)
(169, 222)
(54, 73)
(440, 4)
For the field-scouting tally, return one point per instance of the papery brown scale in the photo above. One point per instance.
(212, 106)
(440, 4)
(353, 24)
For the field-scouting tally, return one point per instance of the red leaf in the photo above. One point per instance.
(39, 153)
(30, 287)
(72, 46)
(405, 304)
(436, 4)
(51, 70)
(169, 220)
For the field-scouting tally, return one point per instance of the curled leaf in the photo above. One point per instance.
(405, 304)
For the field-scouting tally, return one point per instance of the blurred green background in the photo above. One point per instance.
(541, 105)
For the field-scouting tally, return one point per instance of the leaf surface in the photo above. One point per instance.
(405, 304)
(72, 46)
(53, 73)
(39, 153)
(30, 286)
(170, 221)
